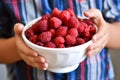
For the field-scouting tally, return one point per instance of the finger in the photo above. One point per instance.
(34, 62)
(40, 59)
(42, 66)
(20, 43)
(96, 16)
(97, 46)
(93, 52)
(99, 34)
(27, 59)
(18, 29)
(93, 13)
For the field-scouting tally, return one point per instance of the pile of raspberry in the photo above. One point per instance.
(61, 29)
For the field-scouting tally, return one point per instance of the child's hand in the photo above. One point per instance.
(27, 54)
(101, 38)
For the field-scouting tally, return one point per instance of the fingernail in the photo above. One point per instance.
(42, 60)
(45, 66)
(20, 27)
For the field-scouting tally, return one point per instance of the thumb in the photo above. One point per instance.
(18, 29)
(96, 16)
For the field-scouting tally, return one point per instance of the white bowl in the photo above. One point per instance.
(60, 60)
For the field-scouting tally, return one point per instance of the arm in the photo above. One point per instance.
(8, 53)
(114, 41)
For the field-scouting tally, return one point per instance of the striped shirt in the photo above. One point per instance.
(98, 67)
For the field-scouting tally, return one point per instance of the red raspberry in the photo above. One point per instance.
(50, 45)
(88, 21)
(92, 29)
(43, 25)
(60, 46)
(59, 40)
(80, 41)
(86, 33)
(55, 12)
(45, 37)
(53, 32)
(84, 24)
(73, 22)
(64, 15)
(29, 32)
(81, 28)
(71, 12)
(46, 17)
(73, 32)
(61, 31)
(70, 40)
(55, 22)
(69, 45)
(33, 38)
(86, 39)
(35, 28)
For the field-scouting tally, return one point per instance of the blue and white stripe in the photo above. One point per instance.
(94, 68)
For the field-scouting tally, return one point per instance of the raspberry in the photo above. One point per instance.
(45, 37)
(73, 22)
(69, 45)
(80, 41)
(70, 40)
(71, 12)
(55, 12)
(86, 39)
(88, 21)
(43, 25)
(73, 32)
(50, 45)
(33, 38)
(35, 28)
(55, 22)
(64, 15)
(81, 28)
(29, 32)
(84, 24)
(60, 46)
(59, 40)
(52, 32)
(46, 17)
(86, 33)
(92, 29)
(61, 31)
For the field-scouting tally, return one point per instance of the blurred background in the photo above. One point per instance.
(115, 56)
